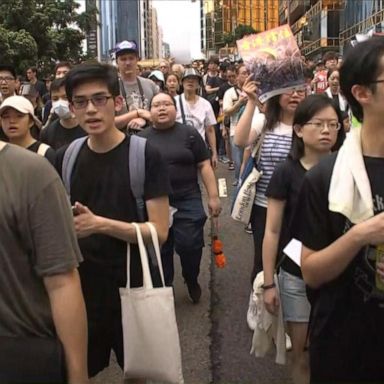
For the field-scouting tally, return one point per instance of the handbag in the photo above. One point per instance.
(246, 190)
(31, 360)
(150, 334)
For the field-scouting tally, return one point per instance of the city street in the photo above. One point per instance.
(215, 339)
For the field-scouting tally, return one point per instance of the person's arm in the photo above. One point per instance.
(209, 180)
(275, 214)
(87, 223)
(210, 89)
(140, 115)
(230, 106)
(70, 319)
(320, 267)
(211, 137)
(243, 133)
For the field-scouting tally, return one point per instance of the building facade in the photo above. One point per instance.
(126, 20)
(221, 17)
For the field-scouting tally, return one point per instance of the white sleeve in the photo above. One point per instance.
(258, 121)
(210, 118)
(228, 100)
(178, 112)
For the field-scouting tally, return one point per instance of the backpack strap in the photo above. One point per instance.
(137, 173)
(69, 160)
(42, 150)
(182, 109)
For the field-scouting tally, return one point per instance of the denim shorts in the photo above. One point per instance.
(296, 307)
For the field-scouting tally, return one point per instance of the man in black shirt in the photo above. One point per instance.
(37, 84)
(65, 129)
(105, 207)
(342, 231)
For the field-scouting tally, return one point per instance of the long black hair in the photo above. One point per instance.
(304, 112)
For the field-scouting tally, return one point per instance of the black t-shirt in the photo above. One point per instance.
(354, 290)
(285, 185)
(50, 154)
(223, 88)
(56, 136)
(182, 148)
(214, 82)
(101, 182)
(40, 88)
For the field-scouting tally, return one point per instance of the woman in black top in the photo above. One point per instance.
(317, 128)
(17, 119)
(186, 154)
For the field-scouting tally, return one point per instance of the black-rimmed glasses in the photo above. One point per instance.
(96, 100)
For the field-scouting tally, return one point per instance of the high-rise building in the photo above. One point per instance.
(315, 23)
(360, 17)
(221, 17)
(125, 20)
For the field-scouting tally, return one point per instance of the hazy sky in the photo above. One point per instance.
(180, 21)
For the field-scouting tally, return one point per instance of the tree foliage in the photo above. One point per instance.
(42, 32)
(239, 32)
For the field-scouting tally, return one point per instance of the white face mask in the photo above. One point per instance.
(61, 108)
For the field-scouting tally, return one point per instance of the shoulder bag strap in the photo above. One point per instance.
(69, 160)
(42, 150)
(124, 94)
(256, 152)
(182, 109)
(140, 86)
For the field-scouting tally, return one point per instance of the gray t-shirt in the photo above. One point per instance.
(134, 99)
(37, 239)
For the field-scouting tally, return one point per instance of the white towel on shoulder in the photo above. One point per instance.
(350, 190)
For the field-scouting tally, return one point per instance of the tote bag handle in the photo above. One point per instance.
(147, 280)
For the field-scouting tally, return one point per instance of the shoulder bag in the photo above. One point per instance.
(151, 338)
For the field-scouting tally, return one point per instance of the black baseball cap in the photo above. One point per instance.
(126, 46)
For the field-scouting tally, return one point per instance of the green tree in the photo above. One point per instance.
(239, 32)
(42, 32)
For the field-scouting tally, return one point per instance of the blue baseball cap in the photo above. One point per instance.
(126, 46)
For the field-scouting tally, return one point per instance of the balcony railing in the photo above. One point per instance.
(363, 26)
(320, 43)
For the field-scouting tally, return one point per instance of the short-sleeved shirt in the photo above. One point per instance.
(37, 240)
(317, 227)
(183, 149)
(134, 99)
(56, 136)
(101, 181)
(199, 115)
(50, 154)
(214, 82)
(274, 150)
(285, 185)
(231, 96)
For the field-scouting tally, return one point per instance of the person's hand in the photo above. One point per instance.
(144, 114)
(85, 221)
(371, 231)
(242, 100)
(250, 87)
(271, 301)
(214, 206)
(214, 160)
(137, 123)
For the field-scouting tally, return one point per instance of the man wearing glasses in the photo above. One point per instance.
(7, 87)
(340, 221)
(104, 206)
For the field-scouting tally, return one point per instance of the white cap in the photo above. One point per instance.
(21, 104)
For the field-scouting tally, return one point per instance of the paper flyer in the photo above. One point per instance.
(275, 60)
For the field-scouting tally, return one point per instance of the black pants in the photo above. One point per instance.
(258, 219)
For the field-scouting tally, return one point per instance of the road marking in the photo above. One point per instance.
(222, 182)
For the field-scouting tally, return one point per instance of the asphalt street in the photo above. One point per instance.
(214, 336)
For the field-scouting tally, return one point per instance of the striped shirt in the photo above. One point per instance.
(274, 150)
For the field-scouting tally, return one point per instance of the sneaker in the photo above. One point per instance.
(288, 343)
(252, 313)
(248, 229)
(224, 159)
(231, 166)
(194, 292)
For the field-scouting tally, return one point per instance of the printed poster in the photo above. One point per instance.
(275, 60)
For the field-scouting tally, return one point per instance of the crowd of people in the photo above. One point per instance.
(64, 260)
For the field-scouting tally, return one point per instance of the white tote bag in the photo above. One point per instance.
(151, 338)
